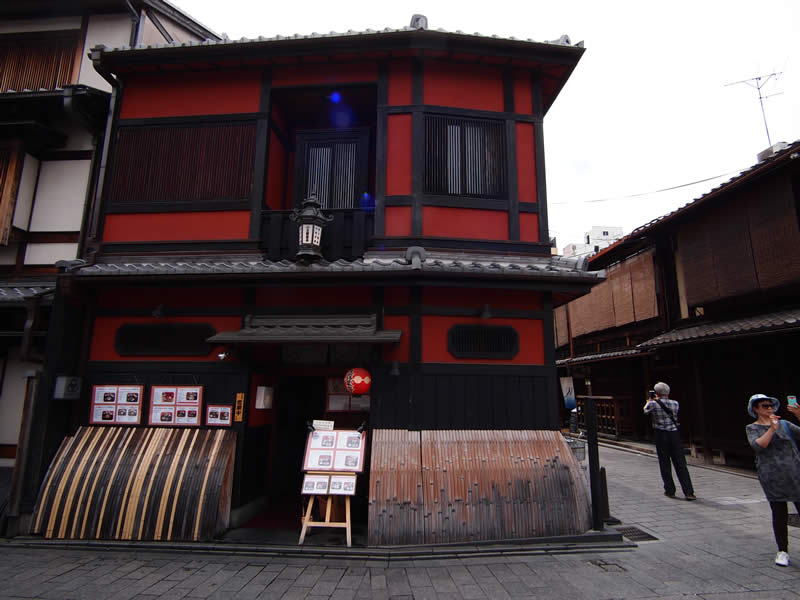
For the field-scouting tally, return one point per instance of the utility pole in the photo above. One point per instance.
(758, 83)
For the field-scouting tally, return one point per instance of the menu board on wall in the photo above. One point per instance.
(338, 399)
(335, 451)
(176, 405)
(219, 415)
(116, 405)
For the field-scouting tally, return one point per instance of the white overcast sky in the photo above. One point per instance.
(646, 108)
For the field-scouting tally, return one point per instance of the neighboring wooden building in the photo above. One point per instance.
(426, 148)
(53, 111)
(704, 298)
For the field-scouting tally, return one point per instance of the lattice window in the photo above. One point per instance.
(483, 341)
(37, 61)
(332, 164)
(183, 164)
(465, 157)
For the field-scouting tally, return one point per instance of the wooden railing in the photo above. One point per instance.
(347, 236)
(614, 416)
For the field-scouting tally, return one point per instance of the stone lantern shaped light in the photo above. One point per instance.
(310, 221)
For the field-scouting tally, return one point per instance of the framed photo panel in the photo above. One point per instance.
(176, 406)
(219, 415)
(116, 405)
(335, 451)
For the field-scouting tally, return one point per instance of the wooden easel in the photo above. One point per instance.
(307, 522)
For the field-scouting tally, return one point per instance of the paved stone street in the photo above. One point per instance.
(718, 548)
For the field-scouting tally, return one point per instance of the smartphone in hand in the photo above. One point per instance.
(791, 401)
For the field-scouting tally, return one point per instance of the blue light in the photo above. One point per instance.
(335, 97)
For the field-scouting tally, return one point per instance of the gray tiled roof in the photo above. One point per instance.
(439, 263)
(601, 356)
(308, 328)
(564, 40)
(18, 292)
(778, 321)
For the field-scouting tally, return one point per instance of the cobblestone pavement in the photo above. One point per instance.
(717, 548)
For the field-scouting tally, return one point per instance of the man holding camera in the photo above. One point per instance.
(664, 414)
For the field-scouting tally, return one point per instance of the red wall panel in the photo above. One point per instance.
(323, 74)
(400, 90)
(523, 102)
(506, 299)
(314, 297)
(158, 227)
(105, 329)
(396, 296)
(276, 173)
(434, 340)
(526, 165)
(528, 227)
(463, 85)
(399, 351)
(150, 95)
(398, 220)
(464, 223)
(398, 155)
(140, 297)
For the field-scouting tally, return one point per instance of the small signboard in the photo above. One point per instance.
(116, 405)
(333, 484)
(219, 415)
(335, 451)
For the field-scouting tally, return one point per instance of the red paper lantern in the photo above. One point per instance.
(357, 381)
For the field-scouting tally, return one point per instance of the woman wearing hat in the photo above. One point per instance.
(778, 464)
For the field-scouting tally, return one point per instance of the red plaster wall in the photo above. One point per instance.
(276, 170)
(464, 223)
(140, 297)
(523, 102)
(313, 297)
(398, 155)
(399, 351)
(434, 340)
(398, 221)
(463, 85)
(526, 166)
(150, 95)
(400, 88)
(507, 299)
(529, 227)
(105, 328)
(288, 76)
(158, 227)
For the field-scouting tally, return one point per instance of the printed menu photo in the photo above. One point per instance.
(322, 440)
(113, 404)
(319, 460)
(219, 415)
(163, 395)
(343, 485)
(335, 451)
(315, 484)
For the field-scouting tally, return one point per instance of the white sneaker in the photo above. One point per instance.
(782, 559)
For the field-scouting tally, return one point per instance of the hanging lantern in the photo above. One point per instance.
(357, 381)
(310, 221)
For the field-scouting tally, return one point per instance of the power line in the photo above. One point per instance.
(667, 189)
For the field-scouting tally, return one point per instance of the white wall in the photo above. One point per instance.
(48, 254)
(27, 187)
(12, 396)
(61, 195)
(54, 24)
(111, 30)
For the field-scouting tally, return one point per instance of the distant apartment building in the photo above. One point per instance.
(601, 236)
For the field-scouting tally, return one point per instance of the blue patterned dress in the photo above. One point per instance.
(779, 463)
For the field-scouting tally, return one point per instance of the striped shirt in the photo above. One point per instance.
(660, 419)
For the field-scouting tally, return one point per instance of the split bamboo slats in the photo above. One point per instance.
(476, 485)
(37, 64)
(123, 483)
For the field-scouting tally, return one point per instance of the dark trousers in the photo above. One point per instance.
(670, 450)
(780, 523)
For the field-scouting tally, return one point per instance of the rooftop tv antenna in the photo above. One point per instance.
(758, 83)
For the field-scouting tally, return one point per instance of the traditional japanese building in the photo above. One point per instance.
(207, 331)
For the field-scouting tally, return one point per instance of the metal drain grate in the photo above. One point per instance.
(635, 534)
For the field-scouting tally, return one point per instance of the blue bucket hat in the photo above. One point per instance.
(755, 398)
